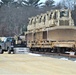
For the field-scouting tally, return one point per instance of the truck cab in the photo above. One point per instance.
(6, 44)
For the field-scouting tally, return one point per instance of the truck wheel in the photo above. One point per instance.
(9, 51)
(75, 52)
(1, 51)
(14, 52)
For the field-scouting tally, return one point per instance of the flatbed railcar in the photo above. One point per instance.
(53, 31)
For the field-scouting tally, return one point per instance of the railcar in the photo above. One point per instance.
(53, 31)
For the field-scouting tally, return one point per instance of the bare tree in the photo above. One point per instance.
(69, 3)
(14, 15)
(15, 18)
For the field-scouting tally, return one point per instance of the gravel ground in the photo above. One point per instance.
(34, 64)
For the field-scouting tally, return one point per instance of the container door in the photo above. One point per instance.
(45, 35)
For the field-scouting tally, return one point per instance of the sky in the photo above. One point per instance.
(0, 1)
(54, 0)
(41, 0)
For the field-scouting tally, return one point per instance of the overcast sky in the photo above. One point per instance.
(54, 0)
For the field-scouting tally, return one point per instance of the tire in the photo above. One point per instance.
(75, 53)
(1, 51)
(14, 52)
(9, 51)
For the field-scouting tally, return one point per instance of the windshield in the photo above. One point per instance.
(64, 14)
(9, 39)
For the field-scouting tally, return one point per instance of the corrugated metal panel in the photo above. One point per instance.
(64, 23)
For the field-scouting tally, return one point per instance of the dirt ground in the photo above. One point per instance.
(25, 64)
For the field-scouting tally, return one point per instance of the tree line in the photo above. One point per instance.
(14, 14)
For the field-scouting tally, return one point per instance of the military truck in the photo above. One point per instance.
(20, 45)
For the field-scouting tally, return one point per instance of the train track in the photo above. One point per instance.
(55, 54)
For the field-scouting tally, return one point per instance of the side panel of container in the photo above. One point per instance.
(62, 34)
